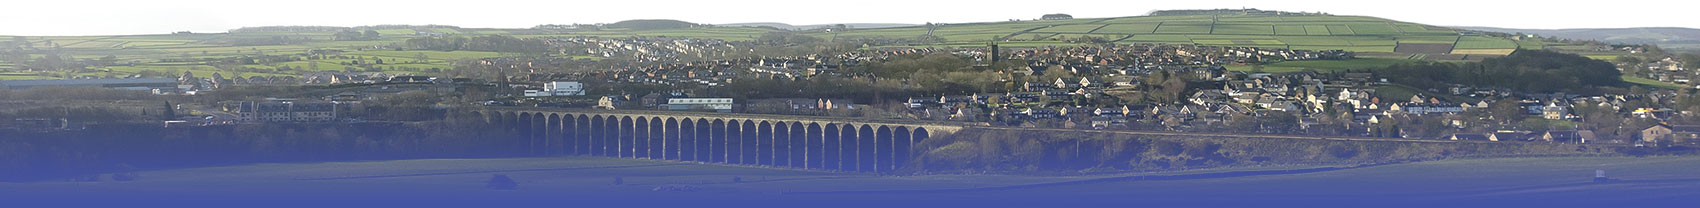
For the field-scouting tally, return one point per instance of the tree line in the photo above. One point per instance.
(1523, 71)
(492, 43)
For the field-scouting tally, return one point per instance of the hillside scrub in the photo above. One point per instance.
(1524, 71)
(1045, 151)
(121, 148)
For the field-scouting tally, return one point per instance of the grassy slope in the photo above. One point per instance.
(1353, 33)
(1643, 81)
(1324, 65)
(149, 51)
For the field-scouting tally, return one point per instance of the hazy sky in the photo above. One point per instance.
(86, 17)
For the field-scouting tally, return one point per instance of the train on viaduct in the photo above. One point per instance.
(782, 141)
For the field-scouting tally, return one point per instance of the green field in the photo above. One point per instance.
(1172, 39)
(1324, 65)
(1179, 28)
(1478, 42)
(1352, 33)
(1643, 81)
(22, 76)
(1145, 28)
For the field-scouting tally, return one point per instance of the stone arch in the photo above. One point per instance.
(704, 141)
(582, 135)
(569, 134)
(781, 144)
(539, 131)
(670, 143)
(749, 149)
(734, 142)
(717, 141)
(900, 145)
(848, 145)
(920, 135)
(687, 139)
(628, 137)
(480, 116)
(830, 147)
(521, 139)
(865, 148)
(552, 134)
(884, 139)
(510, 122)
(598, 131)
(813, 152)
(764, 143)
(799, 145)
(640, 137)
(657, 138)
(611, 136)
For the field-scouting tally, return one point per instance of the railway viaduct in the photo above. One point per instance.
(801, 142)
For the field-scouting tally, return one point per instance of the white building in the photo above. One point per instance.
(558, 89)
(723, 105)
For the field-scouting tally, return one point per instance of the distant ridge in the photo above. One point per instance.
(817, 26)
(1666, 37)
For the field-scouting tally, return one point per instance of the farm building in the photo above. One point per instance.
(1670, 134)
(1057, 17)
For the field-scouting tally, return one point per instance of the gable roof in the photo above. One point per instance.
(1469, 137)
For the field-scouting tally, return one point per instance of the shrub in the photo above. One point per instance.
(501, 182)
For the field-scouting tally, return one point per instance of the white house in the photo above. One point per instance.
(558, 89)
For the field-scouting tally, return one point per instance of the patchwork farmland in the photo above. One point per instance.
(1351, 33)
(1367, 36)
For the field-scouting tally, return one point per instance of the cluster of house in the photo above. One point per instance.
(1126, 59)
(649, 49)
(282, 111)
(188, 83)
(1262, 54)
(1559, 136)
(1670, 70)
(1656, 135)
(1307, 95)
(701, 73)
(721, 72)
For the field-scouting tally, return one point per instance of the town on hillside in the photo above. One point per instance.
(1043, 109)
(1083, 82)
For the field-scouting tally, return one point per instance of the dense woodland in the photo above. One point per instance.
(1523, 71)
(492, 43)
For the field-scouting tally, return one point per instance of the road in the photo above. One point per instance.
(219, 117)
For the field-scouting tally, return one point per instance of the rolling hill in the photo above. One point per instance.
(1370, 37)
(1666, 37)
(806, 27)
(1303, 32)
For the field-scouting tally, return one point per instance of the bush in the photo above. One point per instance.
(501, 182)
(1342, 151)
